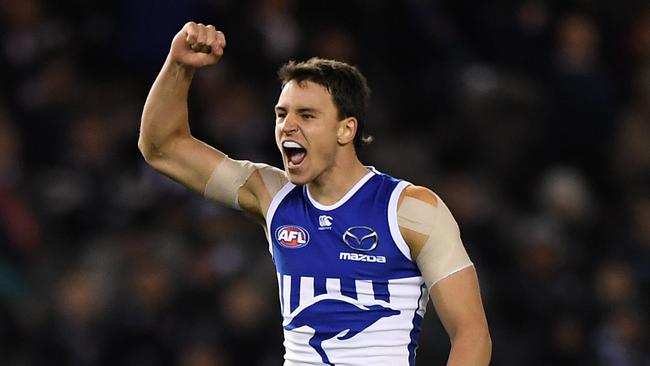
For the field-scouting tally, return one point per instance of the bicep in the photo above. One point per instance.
(457, 300)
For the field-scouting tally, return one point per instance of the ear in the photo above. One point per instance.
(347, 130)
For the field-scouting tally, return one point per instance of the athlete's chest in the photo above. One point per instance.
(329, 242)
(354, 239)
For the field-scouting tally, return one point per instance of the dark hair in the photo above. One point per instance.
(344, 82)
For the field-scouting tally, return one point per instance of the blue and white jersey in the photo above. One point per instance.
(350, 294)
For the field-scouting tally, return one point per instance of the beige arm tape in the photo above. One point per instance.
(443, 253)
(230, 175)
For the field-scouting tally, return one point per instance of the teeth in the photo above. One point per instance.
(292, 144)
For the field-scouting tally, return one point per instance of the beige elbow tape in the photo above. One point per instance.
(230, 175)
(226, 179)
(443, 253)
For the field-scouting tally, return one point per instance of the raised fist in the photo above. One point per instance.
(197, 45)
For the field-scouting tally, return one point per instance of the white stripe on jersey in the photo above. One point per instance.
(275, 202)
(280, 292)
(333, 286)
(392, 220)
(365, 293)
(306, 289)
(286, 295)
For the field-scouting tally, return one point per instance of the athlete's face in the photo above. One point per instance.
(306, 126)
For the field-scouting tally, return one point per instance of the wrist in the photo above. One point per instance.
(179, 69)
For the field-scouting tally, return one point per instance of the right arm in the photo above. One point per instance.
(433, 236)
(165, 138)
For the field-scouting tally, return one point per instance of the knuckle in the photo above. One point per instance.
(221, 38)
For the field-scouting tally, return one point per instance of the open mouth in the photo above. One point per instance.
(295, 152)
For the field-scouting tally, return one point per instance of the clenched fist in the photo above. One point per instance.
(197, 45)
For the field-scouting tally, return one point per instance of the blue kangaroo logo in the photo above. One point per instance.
(348, 317)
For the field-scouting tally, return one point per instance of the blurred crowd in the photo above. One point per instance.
(531, 119)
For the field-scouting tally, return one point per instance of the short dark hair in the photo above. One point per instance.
(346, 84)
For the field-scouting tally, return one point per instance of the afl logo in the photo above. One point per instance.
(361, 238)
(290, 236)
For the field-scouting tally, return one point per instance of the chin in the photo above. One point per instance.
(297, 178)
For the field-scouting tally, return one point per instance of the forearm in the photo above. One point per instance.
(470, 348)
(165, 115)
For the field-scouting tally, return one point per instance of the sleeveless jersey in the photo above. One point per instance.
(350, 294)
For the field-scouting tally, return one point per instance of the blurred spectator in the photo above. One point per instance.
(245, 306)
(632, 156)
(74, 333)
(639, 241)
(274, 22)
(621, 340)
(239, 117)
(640, 37)
(336, 44)
(201, 354)
(20, 231)
(583, 96)
(564, 195)
(145, 330)
(568, 342)
(29, 34)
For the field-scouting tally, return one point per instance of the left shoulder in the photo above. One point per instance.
(416, 214)
(431, 233)
(419, 193)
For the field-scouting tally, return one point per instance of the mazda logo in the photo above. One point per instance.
(361, 238)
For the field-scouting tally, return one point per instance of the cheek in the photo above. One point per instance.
(277, 137)
(327, 146)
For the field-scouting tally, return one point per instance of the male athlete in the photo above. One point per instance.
(357, 252)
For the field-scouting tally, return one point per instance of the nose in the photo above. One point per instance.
(289, 125)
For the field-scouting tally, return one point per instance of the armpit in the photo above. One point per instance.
(274, 179)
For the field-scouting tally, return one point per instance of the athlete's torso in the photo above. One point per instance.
(349, 292)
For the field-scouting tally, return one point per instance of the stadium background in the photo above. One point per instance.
(530, 118)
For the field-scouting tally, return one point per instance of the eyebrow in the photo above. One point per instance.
(299, 110)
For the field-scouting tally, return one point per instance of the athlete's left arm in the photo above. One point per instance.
(434, 239)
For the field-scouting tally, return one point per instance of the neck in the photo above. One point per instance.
(332, 185)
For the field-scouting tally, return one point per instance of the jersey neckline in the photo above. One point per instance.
(346, 197)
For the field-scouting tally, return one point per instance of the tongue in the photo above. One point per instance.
(297, 158)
